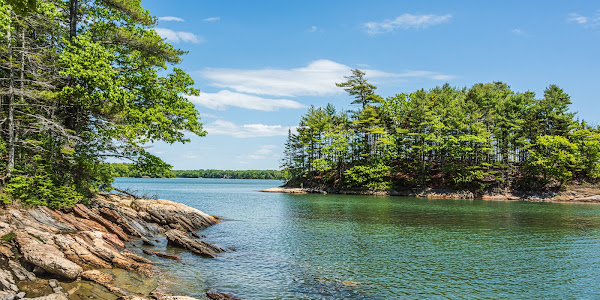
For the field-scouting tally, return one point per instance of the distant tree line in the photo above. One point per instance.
(483, 137)
(232, 174)
(131, 170)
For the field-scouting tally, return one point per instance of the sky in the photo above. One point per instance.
(260, 64)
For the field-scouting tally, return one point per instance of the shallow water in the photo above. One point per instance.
(360, 247)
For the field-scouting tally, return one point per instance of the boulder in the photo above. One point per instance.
(46, 257)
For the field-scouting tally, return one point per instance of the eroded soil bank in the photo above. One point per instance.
(92, 251)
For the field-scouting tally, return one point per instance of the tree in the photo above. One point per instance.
(483, 137)
(86, 80)
(357, 86)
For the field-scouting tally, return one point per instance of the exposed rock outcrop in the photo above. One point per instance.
(47, 257)
(71, 244)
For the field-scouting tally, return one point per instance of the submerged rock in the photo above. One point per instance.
(180, 238)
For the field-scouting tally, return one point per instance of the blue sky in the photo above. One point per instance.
(260, 64)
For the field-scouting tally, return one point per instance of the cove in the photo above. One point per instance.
(284, 246)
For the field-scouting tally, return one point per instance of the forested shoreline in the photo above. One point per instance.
(486, 137)
(83, 82)
(131, 170)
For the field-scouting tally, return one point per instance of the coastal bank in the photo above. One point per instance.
(97, 250)
(572, 194)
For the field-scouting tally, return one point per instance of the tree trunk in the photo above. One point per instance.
(11, 108)
(72, 19)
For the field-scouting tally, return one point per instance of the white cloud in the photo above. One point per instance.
(520, 32)
(171, 18)
(221, 127)
(212, 19)
(208, 116)
(177, 36)
(263, 152)
(406, 21)
(225, 98)
(313, 28)
(318, 78)
(587, 21)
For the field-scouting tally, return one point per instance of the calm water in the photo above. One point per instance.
(359, 247)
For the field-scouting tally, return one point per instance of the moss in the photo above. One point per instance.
(9, 237)
(37, 237)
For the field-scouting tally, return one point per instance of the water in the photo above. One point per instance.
(359, 247)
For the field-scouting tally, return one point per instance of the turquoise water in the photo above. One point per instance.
(284, 246)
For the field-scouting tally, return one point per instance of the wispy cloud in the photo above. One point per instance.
(208, 116)
(171, 18)
(406, 21)
(221, 127)
(520, 32)
(263, 152)
(586, 21)
(318, 78)
(178, 36)
(225, 98)
(212, 19)
(313, 28)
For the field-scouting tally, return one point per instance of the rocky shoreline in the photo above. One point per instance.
(69, 254)
(570, 195)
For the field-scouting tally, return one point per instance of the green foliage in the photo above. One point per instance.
(553, 157)
(588, 144)
(132, 170)
(483, 137)
(231, 174)
(370, 176)
(42, 190)
(98, 82)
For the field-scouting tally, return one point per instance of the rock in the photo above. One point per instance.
(219, 296)
(162, 255)
(103, 279)
(53, 283)
(595, 198)
(7, 296)
(21, 295)
(163, 296)
(146, 241)
(76, 250)
(198, 247)
(136, 257)
(6, 252)
(20, 272)
(56, 288)
(147, 252)
(48, 217)
(7, 282)
(98, 277)
(495, 197)
(55, 296)
(46, 257)
(89, 214)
